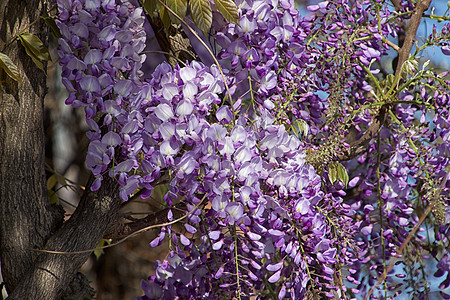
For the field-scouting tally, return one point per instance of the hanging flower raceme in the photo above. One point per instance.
(264, 204)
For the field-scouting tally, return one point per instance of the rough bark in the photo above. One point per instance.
(52, 272)
(27, 220)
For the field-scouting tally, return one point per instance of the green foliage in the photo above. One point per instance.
(150, 6)
(9, 67)
(165, 17)
(228, 10)
(51, 184)
(159, 191)
(51, 181)
(201, 14)
(300, 128)
(52, 25)
(179, 7)
(35, 49)
(200, 10)
(336, 171)
(99, 252)
(52, 197)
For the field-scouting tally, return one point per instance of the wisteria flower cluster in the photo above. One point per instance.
(270, 213)
(267, 57)
(101, 61)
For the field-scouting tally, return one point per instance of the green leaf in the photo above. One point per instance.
(52, 197)
(160, 191)
(35, 49)
(150, 6)
(61, 180)
(228, 9)
(294, 129)
(51, 181)
(300, 128)
(9, 67)
(336, 171)
(201, 14)
(35, 45)
(165, 18)
(51, 23)
(342, 174)
(332, 172)
(99, 252)
(390, 79)
(179, 7)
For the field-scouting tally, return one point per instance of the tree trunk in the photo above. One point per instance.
(27, 220)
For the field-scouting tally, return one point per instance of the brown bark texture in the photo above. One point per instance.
(25, 216)
(27, 220)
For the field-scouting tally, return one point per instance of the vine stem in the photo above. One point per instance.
(380, 208)
(237, 265)
(19, 33)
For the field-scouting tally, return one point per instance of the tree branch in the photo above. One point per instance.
(52, 273)
(159, 217)
(411, 30)
(359, 146)
(26, 217)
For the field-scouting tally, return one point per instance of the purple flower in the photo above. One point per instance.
(321, 7)
(107, 34)
(184, 108)
(167, 130)
(169, 91)
(169, 148)
(268, 82)
(216, 132)
(248, 24)
(186, 166)
(111, 139)
(219, 204)
(446, 49)
(262, 207)
(164, 112)
(275, 277)
(224, 115)
(90, 84)
(151, 289)
(187, 74)
(235, 212)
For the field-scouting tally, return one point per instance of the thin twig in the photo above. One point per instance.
(394, 46)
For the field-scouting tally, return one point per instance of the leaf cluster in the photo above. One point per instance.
(201, 11)
(35, 50)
